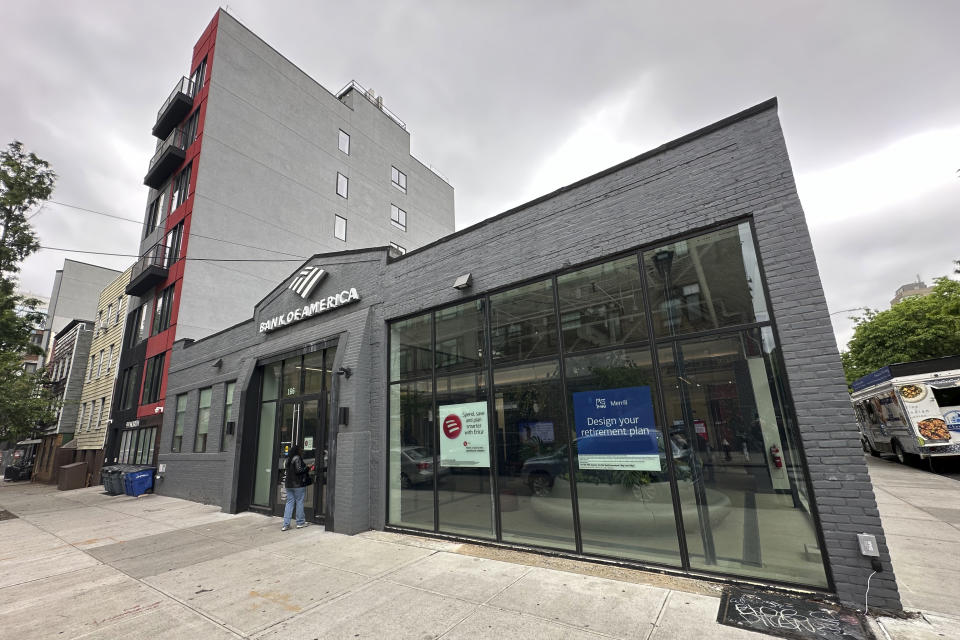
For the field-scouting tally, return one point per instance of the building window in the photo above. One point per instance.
(344, 142)
(399, 179)
(109, 314)
(181, 187)
(100, 367)
(152, 379)
(100, 324)
(109, 360)
(156, 210)
(398, 217)
(93, 366)
(342, 182)
(397, 248)
(161, 313)
(178, 422)
(340, 228)
(116, 320)
(227, 407)
(173, 243)
(93, 409)
(128, 387)
(199, 77)
(190, 129)
(565, 353)
(100, 416)
(83, 410)
(203, 421)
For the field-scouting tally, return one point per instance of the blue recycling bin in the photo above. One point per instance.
(138, 482)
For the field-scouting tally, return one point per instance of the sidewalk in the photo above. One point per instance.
(83, 564)
(921, 519)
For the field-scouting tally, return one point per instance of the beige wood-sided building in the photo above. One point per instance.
(93, 417)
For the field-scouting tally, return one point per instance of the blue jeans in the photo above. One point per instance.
(294, 494)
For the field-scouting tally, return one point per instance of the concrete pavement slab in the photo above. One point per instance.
(689, 615)
(380, 610)
(926, 529)
(616, 608)
(171, 559)
(412, 541)
(465, 577)
(491, 622)
(72, 604)
(171, 621)
(251, 590)
(147, 544)
(359, 555)
(925, 627)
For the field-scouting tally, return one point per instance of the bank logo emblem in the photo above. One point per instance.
(306, 280)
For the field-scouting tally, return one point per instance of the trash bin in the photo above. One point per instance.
(72, 476)
(139, 481)
(112, 480)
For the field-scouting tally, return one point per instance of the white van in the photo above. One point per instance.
(910, 409)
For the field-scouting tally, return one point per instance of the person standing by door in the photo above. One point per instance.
(296, 478)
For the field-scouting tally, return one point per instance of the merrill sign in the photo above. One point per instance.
(314, 308)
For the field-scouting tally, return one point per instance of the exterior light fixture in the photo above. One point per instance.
(345, 372)
(463, 282)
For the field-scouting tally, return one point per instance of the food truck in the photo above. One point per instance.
(910, 409)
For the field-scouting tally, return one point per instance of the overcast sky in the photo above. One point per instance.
(510, 100)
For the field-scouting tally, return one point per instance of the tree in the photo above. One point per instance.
(25, 182)
(914, 329)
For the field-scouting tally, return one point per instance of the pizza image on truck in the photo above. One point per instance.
(910, 409)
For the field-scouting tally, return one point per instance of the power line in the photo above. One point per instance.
(133, 255)
(99, 213)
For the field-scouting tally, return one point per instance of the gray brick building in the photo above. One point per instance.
(475, 387)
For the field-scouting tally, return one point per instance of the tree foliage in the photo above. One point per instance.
(25, 402)
(914, 329)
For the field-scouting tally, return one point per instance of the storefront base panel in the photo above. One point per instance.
(719, 578)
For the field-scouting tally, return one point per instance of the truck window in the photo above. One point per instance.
(947, 397)
(872, 417)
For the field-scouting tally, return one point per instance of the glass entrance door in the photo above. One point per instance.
(300, 423)
(294, 409)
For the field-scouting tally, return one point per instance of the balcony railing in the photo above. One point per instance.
(176, 107)
(168, 157)
(150, 270)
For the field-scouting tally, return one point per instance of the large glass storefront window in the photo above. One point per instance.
(634, 409)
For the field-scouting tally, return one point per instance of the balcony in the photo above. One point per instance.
(149, 271)
(170, 154)
(175, 109)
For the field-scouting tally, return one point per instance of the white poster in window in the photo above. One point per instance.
(464, 437)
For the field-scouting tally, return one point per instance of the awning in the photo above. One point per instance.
(35, 441)
(70, 445)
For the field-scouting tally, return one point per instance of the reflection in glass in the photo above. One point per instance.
(464, 493)
(411, 455)
(531, 445)
(291, 376)
(410, 348)
(751, 520)
(706, 282)
(523, 323)
(626, 513)
(271, 381)
(261, 482)
(460, 336)
(602, 306)
(313, 372)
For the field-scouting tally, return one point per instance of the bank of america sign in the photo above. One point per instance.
(303, 285)
(306, 280)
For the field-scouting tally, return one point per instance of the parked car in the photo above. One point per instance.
(539, 472)
(416, 467)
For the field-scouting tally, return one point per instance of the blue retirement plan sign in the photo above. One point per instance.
(616, 430)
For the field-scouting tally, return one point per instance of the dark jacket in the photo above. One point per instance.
(296, 468)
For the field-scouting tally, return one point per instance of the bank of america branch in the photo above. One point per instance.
(638, 368)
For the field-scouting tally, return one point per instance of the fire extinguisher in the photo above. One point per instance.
(775, 456)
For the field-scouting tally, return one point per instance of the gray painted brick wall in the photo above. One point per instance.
(733, 170)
